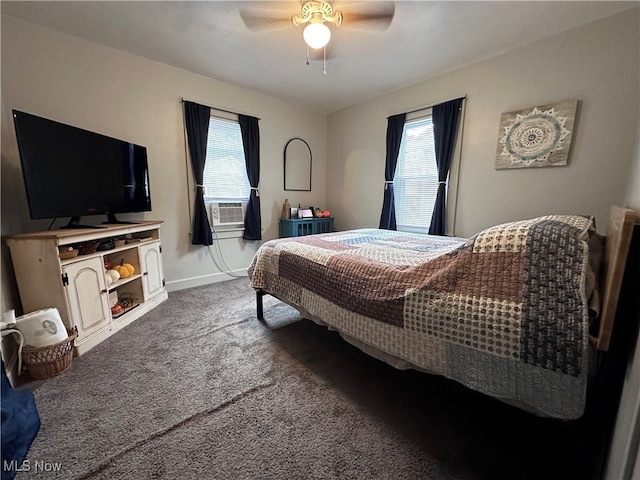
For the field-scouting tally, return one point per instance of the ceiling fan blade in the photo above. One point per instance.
(370, 22)
(374, 15)
(264, 22)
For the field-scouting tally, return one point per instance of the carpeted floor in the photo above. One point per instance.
(200, 389)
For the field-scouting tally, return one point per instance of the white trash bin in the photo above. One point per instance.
(42, 328)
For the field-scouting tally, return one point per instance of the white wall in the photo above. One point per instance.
(598, 64)
(632, 197)
(121, 95)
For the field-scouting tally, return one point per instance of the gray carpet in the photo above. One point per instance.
(198, 389)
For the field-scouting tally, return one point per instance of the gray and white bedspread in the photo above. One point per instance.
(504, 312)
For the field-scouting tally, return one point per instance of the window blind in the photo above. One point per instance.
(416, 179)
(225, 172)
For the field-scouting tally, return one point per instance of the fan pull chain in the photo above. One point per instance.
(324, 54)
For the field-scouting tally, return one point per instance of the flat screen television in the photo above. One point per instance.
(72, 172)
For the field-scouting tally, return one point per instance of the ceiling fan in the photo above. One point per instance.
(317, 14)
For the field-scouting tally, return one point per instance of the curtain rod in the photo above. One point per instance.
(428, 106)
(217, 108)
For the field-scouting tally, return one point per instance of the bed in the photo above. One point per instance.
(514, 312)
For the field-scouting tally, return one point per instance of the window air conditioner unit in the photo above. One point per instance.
(227, 213)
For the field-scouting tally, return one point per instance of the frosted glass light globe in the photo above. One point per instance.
(316, 35)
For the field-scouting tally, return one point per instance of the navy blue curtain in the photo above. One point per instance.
(251, 144)
(196, 120)
(445, 127)
(395, 126)
(20, 426)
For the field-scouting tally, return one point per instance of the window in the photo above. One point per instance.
(415, 183)
(225, 172)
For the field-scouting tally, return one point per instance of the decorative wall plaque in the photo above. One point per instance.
(536, 137)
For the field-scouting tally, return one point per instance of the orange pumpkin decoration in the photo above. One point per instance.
(125, 269)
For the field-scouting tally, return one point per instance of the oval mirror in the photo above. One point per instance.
(297, 165)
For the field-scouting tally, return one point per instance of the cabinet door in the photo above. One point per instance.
(87, 296)
(151, 268)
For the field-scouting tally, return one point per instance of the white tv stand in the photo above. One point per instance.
(77, 286)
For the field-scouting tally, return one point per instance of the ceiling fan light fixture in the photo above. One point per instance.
(316, 35)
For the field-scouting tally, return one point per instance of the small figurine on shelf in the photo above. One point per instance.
(318, 213)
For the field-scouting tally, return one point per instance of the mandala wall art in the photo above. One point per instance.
(536, 137)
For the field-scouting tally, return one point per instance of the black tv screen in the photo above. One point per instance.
(72, 172)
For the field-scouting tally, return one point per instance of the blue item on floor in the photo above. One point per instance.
(20, 426)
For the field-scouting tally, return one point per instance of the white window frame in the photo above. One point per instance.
(426, 180)
(452, 180)
(209, 198)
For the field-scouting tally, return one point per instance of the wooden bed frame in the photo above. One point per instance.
(617, 242)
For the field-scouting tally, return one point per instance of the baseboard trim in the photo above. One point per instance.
(181, 284)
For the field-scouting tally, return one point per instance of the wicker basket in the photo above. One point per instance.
(51, 360)
(67, 254)
(87, 248)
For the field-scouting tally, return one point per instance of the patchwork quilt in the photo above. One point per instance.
(504, 312)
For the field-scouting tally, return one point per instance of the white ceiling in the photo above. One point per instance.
(424, 40)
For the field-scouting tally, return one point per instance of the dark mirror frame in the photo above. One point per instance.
(295, 159)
